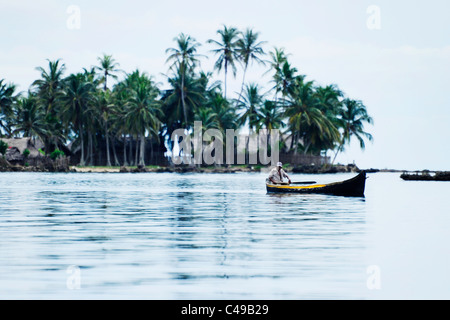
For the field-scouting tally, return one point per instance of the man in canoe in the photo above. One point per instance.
(277, 174)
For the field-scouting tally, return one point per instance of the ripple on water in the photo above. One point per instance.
(176, 236)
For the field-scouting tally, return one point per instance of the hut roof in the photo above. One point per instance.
(26, 143)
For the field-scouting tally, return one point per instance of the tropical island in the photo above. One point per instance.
(67, 122)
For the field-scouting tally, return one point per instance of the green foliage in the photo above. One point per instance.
(7, 101)
(3, 147)
(57, 154)
(26, 153)
(226, 50)
(88, 111)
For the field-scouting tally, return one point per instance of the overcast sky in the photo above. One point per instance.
(392, 55)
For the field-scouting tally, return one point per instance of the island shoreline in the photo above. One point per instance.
(64, 167)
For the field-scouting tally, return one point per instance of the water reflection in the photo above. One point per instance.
(187, 236)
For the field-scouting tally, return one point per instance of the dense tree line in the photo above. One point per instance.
(80, 109)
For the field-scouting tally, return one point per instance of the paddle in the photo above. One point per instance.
(299, 182)
(303, 182)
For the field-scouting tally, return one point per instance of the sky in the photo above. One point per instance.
(394, 56)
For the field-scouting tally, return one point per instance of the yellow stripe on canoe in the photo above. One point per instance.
(297, 187)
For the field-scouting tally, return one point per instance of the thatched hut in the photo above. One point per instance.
(17, 146)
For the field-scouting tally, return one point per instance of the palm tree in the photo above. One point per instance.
(250, 104)
(30, 118)
(226, 49)
(330, 103)
(7, 99)
(208, 119)
(77, 96)
(249, 49)
(183, 59)
(329, 99)
(353, 115)
(143, 111)
(285, 79)
(93, 125)
(225, 113)
(108, 68)
(50, 85)
(221, 113)
(305, 119)
(121, 95)
(49, 93)
(102, 103)
(277, 59)
(270, 116)
(180, 103)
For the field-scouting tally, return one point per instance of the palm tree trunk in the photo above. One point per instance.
(225, 83)
(125, 163)
(296, 143)
(130, 151)
(151, 151)
(307, 147)
(90, 153)
(292, 142)
(92, 149)
(339, 149)
(113, 146)
(137, 148)
(82, 162)
(182, 97)
(243, 82)
(247, 146)
(142, 151)
(108, 159)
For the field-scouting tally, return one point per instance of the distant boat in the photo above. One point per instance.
(353, 187)
(425, 176)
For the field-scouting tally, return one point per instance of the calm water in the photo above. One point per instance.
(219, 236)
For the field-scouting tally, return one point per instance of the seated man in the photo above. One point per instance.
(277, 174)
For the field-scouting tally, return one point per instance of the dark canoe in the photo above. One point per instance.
(353, 187)
(425, 176)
